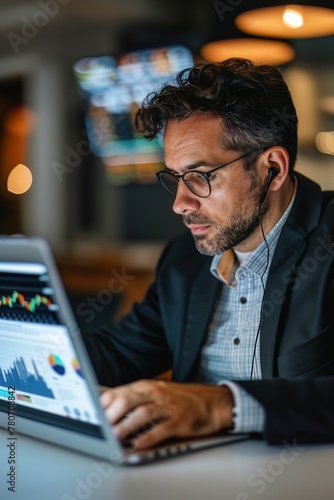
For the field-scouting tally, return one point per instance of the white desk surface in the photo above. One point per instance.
(246, 470)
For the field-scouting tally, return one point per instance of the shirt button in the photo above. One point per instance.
(236, 341)
(241, 277)
(243, 300)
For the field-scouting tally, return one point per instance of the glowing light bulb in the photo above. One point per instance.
(19, 179)
(292, 18)
(325, 142)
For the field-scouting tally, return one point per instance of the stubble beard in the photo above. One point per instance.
(241, 226)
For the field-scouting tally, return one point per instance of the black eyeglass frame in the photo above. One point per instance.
(205, 175)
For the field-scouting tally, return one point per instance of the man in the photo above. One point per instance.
(253, 303)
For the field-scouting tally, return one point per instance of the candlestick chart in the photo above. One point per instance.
(27, 298)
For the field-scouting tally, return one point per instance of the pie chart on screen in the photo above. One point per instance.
(76, 366)
(56, 364)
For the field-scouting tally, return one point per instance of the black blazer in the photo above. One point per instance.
(297, 410)
(168, 329)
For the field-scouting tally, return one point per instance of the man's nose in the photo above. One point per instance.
(185, 200)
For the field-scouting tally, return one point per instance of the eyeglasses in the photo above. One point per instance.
(196, 181)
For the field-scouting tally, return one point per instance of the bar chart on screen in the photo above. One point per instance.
(18, 375)
(40, 362)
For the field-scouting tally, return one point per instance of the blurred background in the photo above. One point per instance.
(73, 170)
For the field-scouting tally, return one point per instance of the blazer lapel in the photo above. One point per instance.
(303, 217)
(278, 279)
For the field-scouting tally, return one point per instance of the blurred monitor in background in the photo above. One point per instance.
(112, 89)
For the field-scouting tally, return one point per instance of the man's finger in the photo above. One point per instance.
(158, 433)
(139, 419)
(121, 400)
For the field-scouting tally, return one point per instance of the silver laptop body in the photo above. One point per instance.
(48, 388)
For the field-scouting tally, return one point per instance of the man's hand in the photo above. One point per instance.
(175, 410)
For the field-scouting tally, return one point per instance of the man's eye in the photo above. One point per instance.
(196, 178)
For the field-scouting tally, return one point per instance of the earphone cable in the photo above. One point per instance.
(262, 282)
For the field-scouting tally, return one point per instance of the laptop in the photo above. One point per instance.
(48, 388)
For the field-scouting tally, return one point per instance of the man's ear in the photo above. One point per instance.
(275, 160)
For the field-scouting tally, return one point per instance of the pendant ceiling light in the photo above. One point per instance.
(287, 21)
(260, 51)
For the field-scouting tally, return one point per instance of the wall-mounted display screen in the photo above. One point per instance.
(113, 88)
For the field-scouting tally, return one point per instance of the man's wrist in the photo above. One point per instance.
(247, 413)
(225, 408)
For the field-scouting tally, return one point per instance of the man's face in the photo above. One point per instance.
(230, 215)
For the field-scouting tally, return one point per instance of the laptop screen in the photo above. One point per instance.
(40, 373)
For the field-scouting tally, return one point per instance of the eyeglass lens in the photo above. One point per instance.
(195, 181)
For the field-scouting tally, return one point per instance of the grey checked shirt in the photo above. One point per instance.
(233, 333)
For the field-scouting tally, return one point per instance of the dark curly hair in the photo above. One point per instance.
(253, 101)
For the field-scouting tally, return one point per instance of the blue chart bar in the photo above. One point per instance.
(19, 377)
